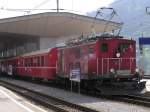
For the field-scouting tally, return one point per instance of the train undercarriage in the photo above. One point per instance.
(111, 84)
(107, 86)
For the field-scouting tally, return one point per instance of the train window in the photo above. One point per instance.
(123, 47)
(38, 61)
(91, 50)
(26, 62)
(104, 47)
(23, 62)
(78, 52)
(34, 61)
(31, 62)
(42, 61)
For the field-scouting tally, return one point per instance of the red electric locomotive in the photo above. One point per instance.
(103, 58)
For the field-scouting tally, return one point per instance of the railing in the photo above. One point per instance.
(105, 64)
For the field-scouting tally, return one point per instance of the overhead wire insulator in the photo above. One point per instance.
(147, 10)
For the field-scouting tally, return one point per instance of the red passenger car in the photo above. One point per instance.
(39, 64)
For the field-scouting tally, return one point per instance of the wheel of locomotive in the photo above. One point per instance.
(136, 85)
(89, 86)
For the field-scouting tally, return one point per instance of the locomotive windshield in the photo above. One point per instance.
(104, 47)
(123, 47)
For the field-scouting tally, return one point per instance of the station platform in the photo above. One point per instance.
(147, 89)
(99, 104)
(11, 102)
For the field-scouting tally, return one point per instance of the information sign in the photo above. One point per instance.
(75, 75)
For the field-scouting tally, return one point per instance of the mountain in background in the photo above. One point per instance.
(133, 14)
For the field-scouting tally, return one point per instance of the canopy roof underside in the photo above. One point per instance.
(53, 24)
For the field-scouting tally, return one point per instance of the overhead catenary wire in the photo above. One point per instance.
(39, 5)
(110, 15)
(147, 10)
(25, 10)
(29, 10)
(42, 3)
(37, 8)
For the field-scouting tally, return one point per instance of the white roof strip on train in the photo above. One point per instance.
(39, 52)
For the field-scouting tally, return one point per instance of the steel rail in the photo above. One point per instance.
(134, 99)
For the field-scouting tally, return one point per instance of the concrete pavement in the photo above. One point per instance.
(11, 102)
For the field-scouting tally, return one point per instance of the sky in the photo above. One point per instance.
(76, 6)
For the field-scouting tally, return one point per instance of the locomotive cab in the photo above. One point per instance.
(116, 58)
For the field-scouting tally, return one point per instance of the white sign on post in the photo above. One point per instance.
(75, 75)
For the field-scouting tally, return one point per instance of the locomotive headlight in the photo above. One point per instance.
(117, 55)
(137, 70)
(112, 70)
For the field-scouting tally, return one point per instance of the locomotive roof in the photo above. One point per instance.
(39, 52)
(88, 41)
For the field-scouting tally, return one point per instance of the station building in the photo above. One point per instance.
(19, 35)
(144, 59)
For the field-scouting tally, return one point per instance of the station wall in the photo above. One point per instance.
(14, 46)
(48, 42)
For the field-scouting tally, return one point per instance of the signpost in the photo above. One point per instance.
(75, 76)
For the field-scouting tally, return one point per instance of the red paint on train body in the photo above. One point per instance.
(40, 64)
(98, 59)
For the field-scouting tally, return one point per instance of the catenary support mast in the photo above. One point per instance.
(57, 5)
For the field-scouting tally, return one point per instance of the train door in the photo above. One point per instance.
(102, 49)
(61, 62)
(91, 60)
(10, 67)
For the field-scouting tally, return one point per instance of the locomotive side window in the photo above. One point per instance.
(78, 52)
(123, 47)
(91, 50)
(104, 47)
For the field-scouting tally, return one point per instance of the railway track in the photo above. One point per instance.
(55, 104)
(134, 99)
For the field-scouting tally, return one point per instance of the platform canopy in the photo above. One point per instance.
(53, 24)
